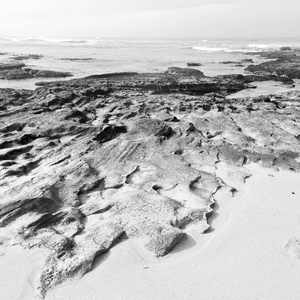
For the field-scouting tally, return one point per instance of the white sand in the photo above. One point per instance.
(19, 270)
(243, 257)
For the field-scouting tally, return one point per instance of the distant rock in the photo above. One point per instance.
(185, 71)
(285, 64)
(15, 74)
(26, 57)
(285, 80)
(276, 54)
(10, 65)
(247, 60)
(194, 64)
(49, 74)
(27, 73)
(183, 80)
(285, 48)
(228, 62)
(109, 75)
(237, 63)
(78, 59)
(11, 70)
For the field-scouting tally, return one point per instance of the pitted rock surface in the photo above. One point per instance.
(87, 162)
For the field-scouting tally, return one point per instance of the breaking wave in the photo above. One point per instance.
(49, 40)
(223, 49)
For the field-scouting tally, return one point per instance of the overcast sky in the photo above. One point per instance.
(150, 19)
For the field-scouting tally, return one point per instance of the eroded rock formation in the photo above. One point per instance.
(286, 63)
(12, 70)
(88, 162)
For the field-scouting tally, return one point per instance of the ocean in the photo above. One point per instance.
(99, 56)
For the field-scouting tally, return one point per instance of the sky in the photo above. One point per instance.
(150, 19)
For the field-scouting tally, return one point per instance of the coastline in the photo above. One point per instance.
(157, 185)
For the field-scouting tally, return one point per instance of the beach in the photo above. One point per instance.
(139, 169)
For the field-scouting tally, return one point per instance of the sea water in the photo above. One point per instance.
(100, 56)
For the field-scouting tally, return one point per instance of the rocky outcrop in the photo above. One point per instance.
(287, 64)
(281, 67)
(27, 56)
(88, 162)
(285, 48)
(283, 79)
(194, 64)
(185, 71)
(4, 66)
(187, 81)
(27, 73)
(237, 63)
(11, 70)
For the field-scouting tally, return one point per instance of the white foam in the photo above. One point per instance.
(223, 49)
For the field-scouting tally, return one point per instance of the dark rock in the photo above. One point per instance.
(50, 74)
(286, 63)
(11, 65)
(18, 71)
(229, 62)
(283, 79)
(108, 75)
(109, 132)
(194, 64)
(281, 67)
(285, 48)
(247, 60)
(185, 71)
(15, 74)
(237, 63)
(158, 83)
(26, 57)
(78, 59)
